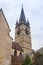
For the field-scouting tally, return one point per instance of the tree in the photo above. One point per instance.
(38, 58)
(27, 61)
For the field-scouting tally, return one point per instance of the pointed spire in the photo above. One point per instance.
(22, 17)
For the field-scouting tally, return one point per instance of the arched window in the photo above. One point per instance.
(20, 53)
(15, 53)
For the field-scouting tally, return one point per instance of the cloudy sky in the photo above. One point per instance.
(34, 13)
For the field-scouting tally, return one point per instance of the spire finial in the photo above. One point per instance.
(22, 5)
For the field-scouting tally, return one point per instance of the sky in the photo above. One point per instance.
(33, 10)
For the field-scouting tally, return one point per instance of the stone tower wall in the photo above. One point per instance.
(23, 39)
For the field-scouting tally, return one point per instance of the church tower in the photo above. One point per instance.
(23, 34)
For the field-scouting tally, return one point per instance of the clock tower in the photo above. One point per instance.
(23, 34)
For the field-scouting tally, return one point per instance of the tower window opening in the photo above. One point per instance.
(18, 32)
(27, 31)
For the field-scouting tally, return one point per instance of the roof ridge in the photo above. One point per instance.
(5, 18)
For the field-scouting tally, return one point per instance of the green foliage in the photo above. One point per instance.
(38, 59)
(27, 61)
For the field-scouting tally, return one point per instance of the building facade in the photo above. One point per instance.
(5, 41)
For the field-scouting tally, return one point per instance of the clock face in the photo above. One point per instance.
(18, 32)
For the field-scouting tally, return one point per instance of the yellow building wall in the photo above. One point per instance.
(5, 42)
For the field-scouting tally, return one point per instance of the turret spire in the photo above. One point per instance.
(22, 17)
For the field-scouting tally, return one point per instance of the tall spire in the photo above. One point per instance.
(22, 17)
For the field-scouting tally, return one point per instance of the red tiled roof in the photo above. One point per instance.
(16, 46)
(16, 60)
